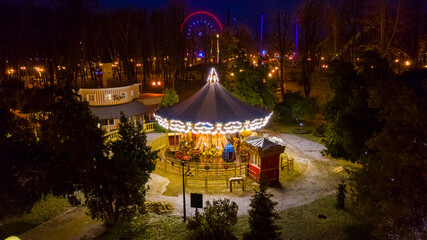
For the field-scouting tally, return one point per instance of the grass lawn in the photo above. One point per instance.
(152, 227)
(301, 222)
(42, 211)
(288, 128)
(73, 224)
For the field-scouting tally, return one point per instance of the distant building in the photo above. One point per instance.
(107, 103)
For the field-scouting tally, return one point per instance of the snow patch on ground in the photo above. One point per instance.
(314, 183)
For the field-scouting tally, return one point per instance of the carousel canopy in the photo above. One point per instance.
(213, 109)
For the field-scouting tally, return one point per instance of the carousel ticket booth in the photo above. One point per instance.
(264, 159)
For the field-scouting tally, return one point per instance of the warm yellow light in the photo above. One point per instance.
(232, 74)
(276, 68)
(322, 58)
(254, 62)
(116, 63)
(272, 71)
(154, 83)
(241, 70)
(217, 35)
(158, 83)
(407, 63)
(269, 74)
(397, 60)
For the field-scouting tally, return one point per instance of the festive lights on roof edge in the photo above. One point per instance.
(213, 128)
(209, 128)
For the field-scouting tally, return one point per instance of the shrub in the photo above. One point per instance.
(215, 221)
(320, 130)
(294, 107)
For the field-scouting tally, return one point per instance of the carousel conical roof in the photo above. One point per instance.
(212, 104)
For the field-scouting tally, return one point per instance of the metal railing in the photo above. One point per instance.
(114, 135)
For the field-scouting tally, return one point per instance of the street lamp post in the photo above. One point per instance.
(183, 189)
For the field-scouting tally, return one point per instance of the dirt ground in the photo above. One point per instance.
(319, 179)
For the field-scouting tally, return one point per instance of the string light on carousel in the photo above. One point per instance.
(211, 124)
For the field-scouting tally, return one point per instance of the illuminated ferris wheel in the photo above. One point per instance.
(202, 30)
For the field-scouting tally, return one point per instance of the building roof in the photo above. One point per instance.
(213, 104)
(263, 143)
(130, 109)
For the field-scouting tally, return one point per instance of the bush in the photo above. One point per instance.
(215, 221)
(159, 129)
(294, 107)
(320, 130)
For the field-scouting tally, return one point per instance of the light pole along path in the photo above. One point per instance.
(316, 181)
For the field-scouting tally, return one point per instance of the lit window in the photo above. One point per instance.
(108, 97)
(131, 93)
(90, 97)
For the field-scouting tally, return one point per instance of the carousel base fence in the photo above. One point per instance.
(198, 173)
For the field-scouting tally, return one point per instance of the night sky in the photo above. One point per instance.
(248, 11)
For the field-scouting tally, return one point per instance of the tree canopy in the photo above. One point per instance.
(378, 119)
(169, 98)
(116, 187)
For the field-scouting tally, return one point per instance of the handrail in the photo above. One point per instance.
(114, 135)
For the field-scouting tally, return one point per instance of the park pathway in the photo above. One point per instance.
(316, 181)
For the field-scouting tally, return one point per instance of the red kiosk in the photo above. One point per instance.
(264, 159)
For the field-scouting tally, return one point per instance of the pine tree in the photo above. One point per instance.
(262, 216)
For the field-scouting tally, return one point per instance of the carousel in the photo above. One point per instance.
(210, 125)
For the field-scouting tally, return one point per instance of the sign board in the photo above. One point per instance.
(196, 200)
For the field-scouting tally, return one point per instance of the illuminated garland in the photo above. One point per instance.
(209, 128)
(212, 128)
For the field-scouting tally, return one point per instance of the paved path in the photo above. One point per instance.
(315, 182)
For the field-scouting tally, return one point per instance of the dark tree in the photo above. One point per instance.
(392, 184)
(262, 216)
(20, 155)
(351, 122)
(250, 83)
(282, 44)
(311, 20)
(70, 134)
(116, 188)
